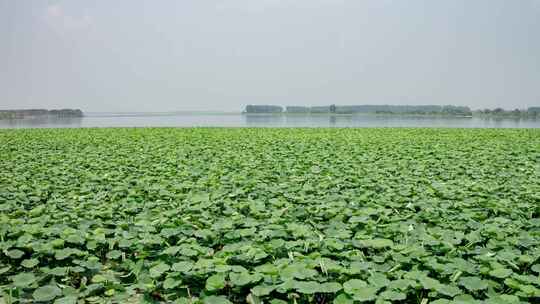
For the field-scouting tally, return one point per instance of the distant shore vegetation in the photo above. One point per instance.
(447, 110)
(26, 113)
(500, 112)
(370, 109)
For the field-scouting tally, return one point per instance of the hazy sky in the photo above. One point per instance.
(128, 55)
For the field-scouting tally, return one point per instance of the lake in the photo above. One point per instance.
(262, 120)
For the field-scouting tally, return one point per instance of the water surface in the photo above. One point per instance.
(261, 120)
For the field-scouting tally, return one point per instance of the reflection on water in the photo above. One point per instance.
(263, 120)
(42, 121)
(259, 120)
(270, 120)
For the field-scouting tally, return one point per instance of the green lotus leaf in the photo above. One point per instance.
(513, 283)
(360, 290)
(75, 239)
(527, 279)
(184, 300)
(343, 299)
(114, 254)
(66, 300)
(500, 273)
(393, 295)
(171, 283)
(429, 283)
(401, 284)
(262, 290)
(66, 252)
(441, 301)
(222, 268)
(37, 211)
(312, 287)
(23, 279)
(182, 266)
(503, 299)
(530, 290)
(307, 287)
(215, 282)
(466, 299)
(56, 271)
(366, 294)
(353, 286)
(253, 299)
(379, 280)
(447, 290)
(30, 263)
(299, 271)
(376, 243)
(15, 253)
(46, 293)
(171, 251)
(216, 300)
(98, 278)
(4, 269)
(473, 283)
(267, 269)
(330, 287)
(243, 278)
(158, 270)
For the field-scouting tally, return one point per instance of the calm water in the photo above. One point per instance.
(239, 120)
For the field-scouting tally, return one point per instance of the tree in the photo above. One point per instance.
(333, 108)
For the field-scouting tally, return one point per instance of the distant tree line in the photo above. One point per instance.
(530, 112)
(8, 114)
(375, 109)
(263, 109)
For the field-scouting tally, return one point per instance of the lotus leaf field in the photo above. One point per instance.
(220, 216)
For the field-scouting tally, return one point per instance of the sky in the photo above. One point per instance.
(219, 55)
